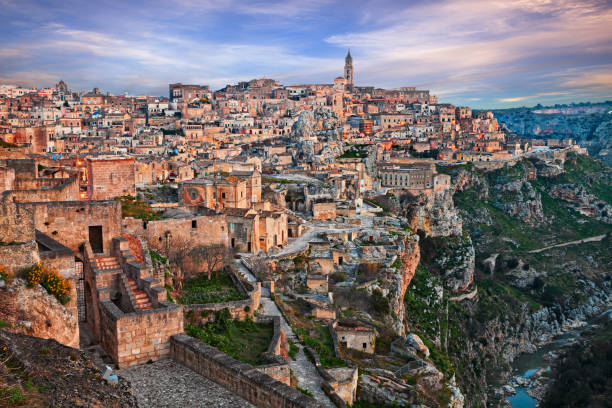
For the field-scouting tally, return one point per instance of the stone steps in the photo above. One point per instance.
(107, 262)
(142, 299)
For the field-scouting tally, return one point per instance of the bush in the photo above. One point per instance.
(51, 280)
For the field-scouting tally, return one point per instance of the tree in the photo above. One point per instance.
(212, 257)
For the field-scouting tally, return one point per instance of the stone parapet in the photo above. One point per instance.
(243, 379)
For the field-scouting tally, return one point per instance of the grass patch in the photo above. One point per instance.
(245, 341)
(202, 290)
(293, 350)
(319, 339)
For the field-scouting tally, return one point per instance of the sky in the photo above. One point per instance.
(485, 54)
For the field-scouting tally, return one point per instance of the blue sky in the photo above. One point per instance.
(480, 53)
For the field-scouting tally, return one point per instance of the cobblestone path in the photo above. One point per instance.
(166, 383)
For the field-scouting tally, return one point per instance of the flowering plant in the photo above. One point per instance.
(5, 275)
(51, 280)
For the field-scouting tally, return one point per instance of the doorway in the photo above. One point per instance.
(95, 239)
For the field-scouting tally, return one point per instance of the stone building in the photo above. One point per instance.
(109, 177)
(406, 176)
(239, 189)
(356, 337)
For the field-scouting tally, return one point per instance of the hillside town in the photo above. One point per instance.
(262, 236)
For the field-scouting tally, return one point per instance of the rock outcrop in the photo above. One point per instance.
(410, 256)
(34, 312)
(434, 214)
(582, 201)
(57, 376)
(519, 199)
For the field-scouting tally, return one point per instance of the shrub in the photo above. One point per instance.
(51, 280)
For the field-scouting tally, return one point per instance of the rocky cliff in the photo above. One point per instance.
(524, 298)
(35, 312)
(409, 256)
(434, 214)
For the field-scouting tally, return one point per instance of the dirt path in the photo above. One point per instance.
(596, 238)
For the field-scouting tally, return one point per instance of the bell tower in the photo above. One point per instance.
(348, 68)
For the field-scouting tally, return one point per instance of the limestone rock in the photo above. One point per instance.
(435, 214)
(518, 198)
(35, 312)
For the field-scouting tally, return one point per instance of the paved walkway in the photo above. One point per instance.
(166, 383)
(307, 376)
(580, 241)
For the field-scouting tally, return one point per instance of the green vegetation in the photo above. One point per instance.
(245, 341)
(303, 391)
(202, 290)
(319, 339)
(355, 152)
(293, 350)
(133, 207)
(11, 396)
(273, 180)
(504, 232)
(156, 257)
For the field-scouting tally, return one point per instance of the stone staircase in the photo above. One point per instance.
(105, 263)
(142, 300)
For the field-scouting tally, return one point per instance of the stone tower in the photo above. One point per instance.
(348, 68)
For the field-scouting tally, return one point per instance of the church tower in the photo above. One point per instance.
(348, 68)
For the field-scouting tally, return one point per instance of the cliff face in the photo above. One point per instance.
(410, 257)
(434, 214)
(35, 312)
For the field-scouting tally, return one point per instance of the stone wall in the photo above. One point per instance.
(324, 211)
(200, 230)
(15, 258)
(16, 223)
(109, 177)
(240, 378)
(135, 338)
(7, 178)
(24, 168)
(68, 221)
(44, 189)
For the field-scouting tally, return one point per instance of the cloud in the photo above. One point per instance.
(485, 52)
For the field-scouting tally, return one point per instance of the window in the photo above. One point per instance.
(222, 195)
(365, 345)
(194, 224)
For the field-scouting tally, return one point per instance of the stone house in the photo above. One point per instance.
(356, 337)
